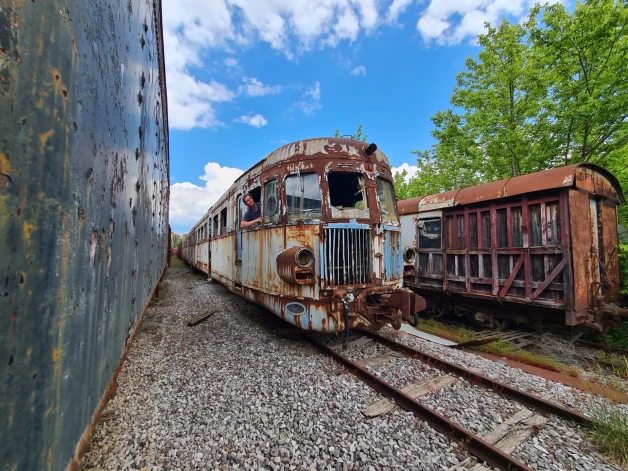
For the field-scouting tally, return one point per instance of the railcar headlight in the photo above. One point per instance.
(304, 258)
(409, 255)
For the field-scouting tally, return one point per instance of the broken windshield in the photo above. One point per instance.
(347, 195)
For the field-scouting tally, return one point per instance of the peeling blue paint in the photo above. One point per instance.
(84, 222)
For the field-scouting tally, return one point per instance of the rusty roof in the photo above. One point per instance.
(579, 175)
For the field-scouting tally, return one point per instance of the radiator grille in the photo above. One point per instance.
(347, 255)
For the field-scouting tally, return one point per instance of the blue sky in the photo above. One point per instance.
(246, 76)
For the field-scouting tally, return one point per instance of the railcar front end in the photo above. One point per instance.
(327, 254)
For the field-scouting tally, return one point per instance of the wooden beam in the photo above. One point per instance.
(198, 319)
(511, 277)
(414, 390)
(379, 359)
(507, 436)
(549, 278)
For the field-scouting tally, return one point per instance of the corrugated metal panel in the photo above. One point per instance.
(83, 210)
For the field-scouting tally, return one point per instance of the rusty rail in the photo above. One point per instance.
(530, 400)
(474, 444)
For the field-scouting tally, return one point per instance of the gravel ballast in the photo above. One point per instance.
(228, 394)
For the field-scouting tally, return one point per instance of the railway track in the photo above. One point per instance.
(485, 450)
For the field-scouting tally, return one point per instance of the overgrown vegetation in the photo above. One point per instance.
(617, 363)
(543, 93)
(500, 348)
(176, 240)
(548, 92)
(356, 135)
(610, 431)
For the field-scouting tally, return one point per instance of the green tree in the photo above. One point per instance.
(176, 240)
(550, 92)
(586, 54)
(356, 135)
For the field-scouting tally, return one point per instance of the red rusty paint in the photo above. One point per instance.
(554, 262)
(587, 176)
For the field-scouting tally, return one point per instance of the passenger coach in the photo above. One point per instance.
(327, 255)
(534, 249)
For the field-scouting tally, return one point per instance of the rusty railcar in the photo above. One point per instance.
(533, 249)
(327, 254)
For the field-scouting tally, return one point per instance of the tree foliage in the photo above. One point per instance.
(176, 240)
(549, 92)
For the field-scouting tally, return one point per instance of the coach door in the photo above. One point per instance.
(238, 243)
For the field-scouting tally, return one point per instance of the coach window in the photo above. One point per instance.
(386, 197)
(347, 195)
(303, 196)
(271, 202)
(430, 234)
(216, 234)
(223, 221)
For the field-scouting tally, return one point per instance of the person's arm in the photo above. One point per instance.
(246, 224)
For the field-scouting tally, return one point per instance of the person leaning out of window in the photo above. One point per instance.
(253, 213)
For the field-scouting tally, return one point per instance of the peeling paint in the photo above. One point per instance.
(73, 287)
(356, 246)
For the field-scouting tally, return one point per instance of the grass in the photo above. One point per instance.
(610, 431)
(618, 363)
(501, 348)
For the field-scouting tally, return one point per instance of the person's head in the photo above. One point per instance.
(248, 200)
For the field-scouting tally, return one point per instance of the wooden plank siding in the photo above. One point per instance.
(517, 250)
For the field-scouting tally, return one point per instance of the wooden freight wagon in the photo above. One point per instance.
(531, 249)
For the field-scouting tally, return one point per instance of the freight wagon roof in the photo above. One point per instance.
(316, 148)
(586, 176)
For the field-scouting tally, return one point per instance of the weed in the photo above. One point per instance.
(618, 363)
(610, 431)
(501, 348)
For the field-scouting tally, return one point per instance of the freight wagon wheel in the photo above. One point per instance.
(438, 310)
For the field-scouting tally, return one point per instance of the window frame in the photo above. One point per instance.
(392, 205)
(350, 213)
(287, 215)
(274, 218)
(421, 225)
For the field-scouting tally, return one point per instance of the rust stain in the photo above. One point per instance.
(27, 231)
(5, 164)
(43, 139)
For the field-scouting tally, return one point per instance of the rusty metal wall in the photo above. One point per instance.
(83, 210)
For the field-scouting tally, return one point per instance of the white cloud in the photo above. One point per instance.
(188, 202)
(257, 120)
(231, 62)
(450, 22)
(411, 169)
(194, 27)
(396, 8)
(314, 92)
(289, 26)
(310, 100)
(359, 70)
(253, 87)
